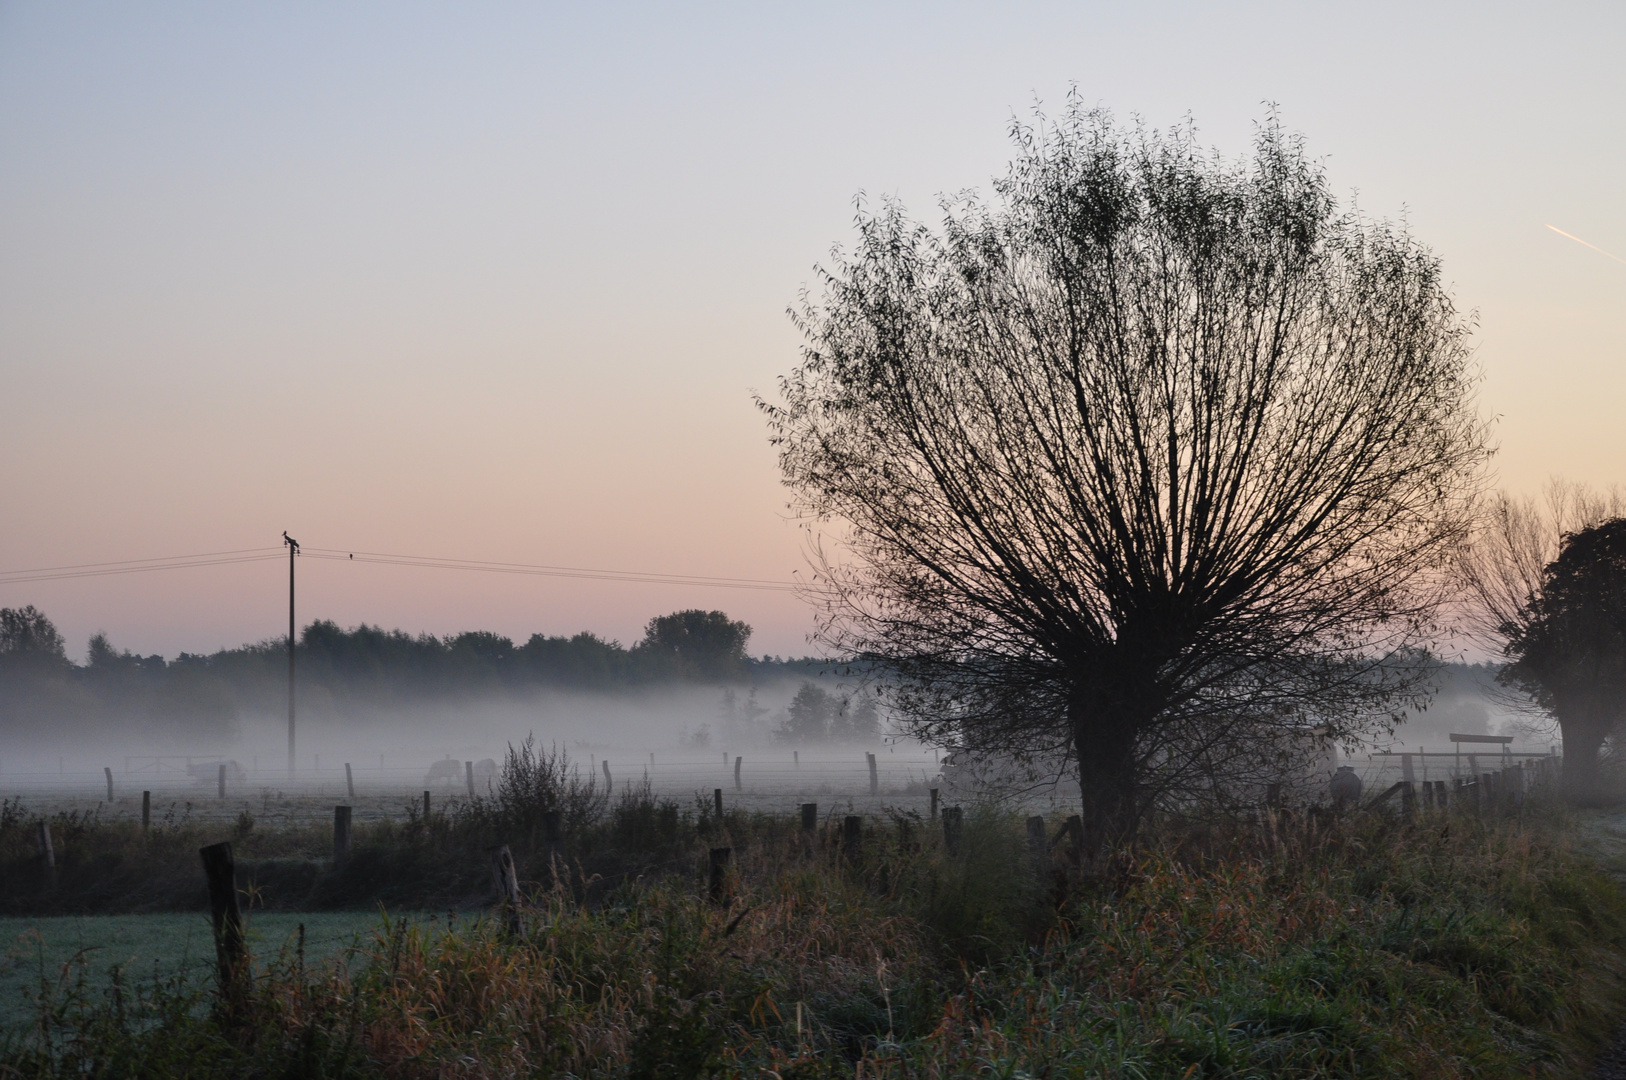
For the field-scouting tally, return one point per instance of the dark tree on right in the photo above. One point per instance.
(1154, 458)
(1566, 648)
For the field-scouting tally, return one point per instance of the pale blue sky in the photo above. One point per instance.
(495, 281)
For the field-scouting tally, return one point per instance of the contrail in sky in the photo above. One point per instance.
(1594, 247)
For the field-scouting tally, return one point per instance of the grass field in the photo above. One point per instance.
(1482, 939)
(41, 952)
(1447, 944)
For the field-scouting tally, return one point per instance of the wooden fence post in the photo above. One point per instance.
(874, 779)
(852, 837)
(609, 785)
(551, 839)
(717, 801)
(953, 818)
(468, 774)
(146, 810)
(1038, 849)
(810, 817)
(505, 879)
(222, 779)
(738, 760)
(717, 886)
(231, 948)
(108, 771)
(349, 782)
(934, 804)
(47, 852)
(341, 836)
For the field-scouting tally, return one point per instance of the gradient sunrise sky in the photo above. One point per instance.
(495, 281)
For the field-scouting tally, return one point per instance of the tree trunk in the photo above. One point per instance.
(1104, 744)
(1582, 778)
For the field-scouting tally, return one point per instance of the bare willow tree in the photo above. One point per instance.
(1508, 571)
(1154, 458)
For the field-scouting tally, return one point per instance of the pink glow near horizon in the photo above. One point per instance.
(496, 283)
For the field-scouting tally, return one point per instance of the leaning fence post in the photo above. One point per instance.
(737, 762)
(146, 810)
(349, 782)
(108, 771)
(47, 852)
(505, 879)
(874, 780)
(231, 948)
(717, 885)
(609, 785)
(341, 836)
(952, 819)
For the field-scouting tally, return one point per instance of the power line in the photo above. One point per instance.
(139, 566)
(541, 570)
(421, 562)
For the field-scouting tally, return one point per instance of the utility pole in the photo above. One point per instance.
(293, 549)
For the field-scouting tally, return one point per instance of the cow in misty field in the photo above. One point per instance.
(208, 772)
(445, 772)
(450, 772)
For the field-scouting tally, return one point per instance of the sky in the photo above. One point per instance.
(497, 281)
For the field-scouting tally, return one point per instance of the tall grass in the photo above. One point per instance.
(1443, 946)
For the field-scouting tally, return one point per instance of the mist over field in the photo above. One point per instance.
(392, 704)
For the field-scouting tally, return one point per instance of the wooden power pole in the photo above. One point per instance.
(293, 549)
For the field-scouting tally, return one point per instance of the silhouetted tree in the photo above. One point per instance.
(1151, 460)
(698, 644)
(808, 716)
(1505, 572)
(856, 719)
(28, 638)
(1567, 647)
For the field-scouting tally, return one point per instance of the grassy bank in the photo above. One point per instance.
(1446, 946)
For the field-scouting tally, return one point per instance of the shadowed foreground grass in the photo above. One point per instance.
(1447, 947)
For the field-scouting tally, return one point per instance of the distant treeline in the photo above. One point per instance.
(365, 664)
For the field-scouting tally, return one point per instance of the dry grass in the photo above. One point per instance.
(1443, 947)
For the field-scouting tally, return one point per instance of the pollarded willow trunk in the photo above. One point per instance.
(1104, 745)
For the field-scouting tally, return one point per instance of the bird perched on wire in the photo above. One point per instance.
(290, 541)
